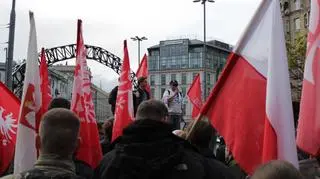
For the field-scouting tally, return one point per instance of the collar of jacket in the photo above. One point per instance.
(55, 162)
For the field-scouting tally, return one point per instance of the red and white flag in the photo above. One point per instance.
(143, 70)
(9, 114)
(89, 150)
(250, 105)
(44, 85)
(124, 108)
(26, 153)
(194, 94)
(308, 136)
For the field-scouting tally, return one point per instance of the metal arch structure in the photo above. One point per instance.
(61, 53)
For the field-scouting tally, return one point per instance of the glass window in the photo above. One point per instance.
(152, 92)
(152, 80)
(297, 4)
(162, 91)
(208, 78)
(287, 28)
(173, 77)
(194, 75)
(163, 79)
(183, 91)
(297, 24)
(183, 78)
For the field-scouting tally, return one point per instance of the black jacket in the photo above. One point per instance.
(138, 100)
(113, 98)
(149, 150)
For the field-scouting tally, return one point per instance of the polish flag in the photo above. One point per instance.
(26, 152)
(194, 94)
(308, 138)
(9, 114)
(143, 70)
(44, 85)
(250, 105)
(89, 150)
(124, 108)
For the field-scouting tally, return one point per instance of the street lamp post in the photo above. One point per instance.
(11, 46)
(203, 2)
(139, 39)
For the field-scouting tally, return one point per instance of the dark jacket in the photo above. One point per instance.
(113, 98)
(149, 150)
(138, 100)
(49, 167)
(83, 169)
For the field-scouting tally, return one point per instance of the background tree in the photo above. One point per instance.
(296, 51)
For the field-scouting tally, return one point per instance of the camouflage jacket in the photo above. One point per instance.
(48, 166)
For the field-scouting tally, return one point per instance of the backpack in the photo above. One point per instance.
(46, 174)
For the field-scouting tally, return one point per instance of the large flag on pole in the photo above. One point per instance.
(9, 113)
(89, 150)
(44, 84)
(124, 108)
(308, 136)
(143, 70)
(194, 94)
(26, 153)
(250, 105)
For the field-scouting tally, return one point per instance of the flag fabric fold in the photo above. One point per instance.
(9, 114)
(25, 151)
(124, 105)
(143, 70)
(44, 85)
(250, 105)
(89, 150)
(308, 138)
(194, 94)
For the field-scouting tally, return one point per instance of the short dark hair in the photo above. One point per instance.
(202, 133)
(141, 79)
(277, 169)
(59, 103)
(152, 109)
(173, 83)
(59, 130)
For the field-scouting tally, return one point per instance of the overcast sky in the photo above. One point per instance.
(106, 23)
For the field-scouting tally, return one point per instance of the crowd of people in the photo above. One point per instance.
(151, 147)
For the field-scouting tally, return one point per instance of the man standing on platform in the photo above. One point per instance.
(173, 99)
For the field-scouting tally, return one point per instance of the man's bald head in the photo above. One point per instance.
(59, 130)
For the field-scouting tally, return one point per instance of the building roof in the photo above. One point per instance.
(193, 42)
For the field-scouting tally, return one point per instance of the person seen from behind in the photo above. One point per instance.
(149, 150)
(277, 169)
(112, 100)
(173, 99)
(201, 136)
(82, 168)
(106, 142)
(57, 140)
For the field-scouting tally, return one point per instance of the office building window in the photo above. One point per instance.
(173, 77)
(297, 4)
(208, 78)
(306, 20)
(297, 24)
(183, 78)
(163, 79)
(194, 76)
(162, 91)
(152, 80)
(184, 91)
(152, 92)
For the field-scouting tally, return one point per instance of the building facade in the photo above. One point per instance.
(182, 60)
(61, 78)
(296, 15)
(2, 72)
